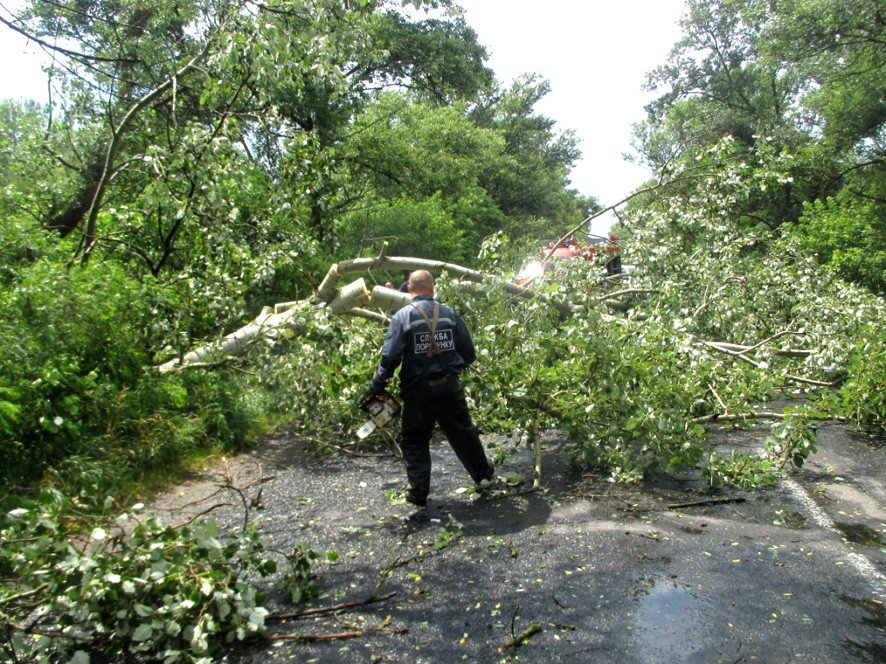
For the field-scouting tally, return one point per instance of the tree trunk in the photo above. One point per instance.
(266, 324)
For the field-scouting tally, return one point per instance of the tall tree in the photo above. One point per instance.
(532, 185)
(148, 82)
(717, 82)
(803, 80)
(837, 51)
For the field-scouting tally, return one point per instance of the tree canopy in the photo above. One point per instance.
(806, 77)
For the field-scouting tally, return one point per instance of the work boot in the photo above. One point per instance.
(427, 514)
(486, 483)
(420, 515)
(414, 499)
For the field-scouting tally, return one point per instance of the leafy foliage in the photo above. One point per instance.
(132, 587)
(214, 157)
(424, 229)
(848, 235)
(803, 75)
(75, 358)
(863, 396)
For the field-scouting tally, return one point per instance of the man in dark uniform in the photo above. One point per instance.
(433, 346)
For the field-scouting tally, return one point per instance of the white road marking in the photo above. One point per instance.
(861, 563)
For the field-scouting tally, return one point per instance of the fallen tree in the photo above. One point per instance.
(354, 299)
(376, 303)
(716, 320)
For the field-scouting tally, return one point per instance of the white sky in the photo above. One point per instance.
(595, 53)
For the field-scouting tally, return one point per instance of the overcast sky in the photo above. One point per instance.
(595, 53)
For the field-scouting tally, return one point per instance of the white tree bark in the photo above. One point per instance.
(326, 291)
(266, 324)
(353, 299)
(355, 294)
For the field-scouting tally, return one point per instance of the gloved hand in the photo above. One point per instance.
(376, 386)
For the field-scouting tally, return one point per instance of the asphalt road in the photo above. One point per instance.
(585, 570)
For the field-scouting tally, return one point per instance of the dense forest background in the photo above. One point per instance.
(201, 158)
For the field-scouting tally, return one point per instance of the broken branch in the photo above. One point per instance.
(709, 501)
(527, 633)
(331, 609)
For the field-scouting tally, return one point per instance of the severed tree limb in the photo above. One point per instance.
(733, 353)
(351, 299)
(738, 417)
(327, 290)
(331, 609)
(721, 402)
(739, 348)
(388, 299)
(266, 323)
(354, 298)
(810, 381)
(765, 341)
(709, 501)
(355, 294)
(369, 315)
(790, 377)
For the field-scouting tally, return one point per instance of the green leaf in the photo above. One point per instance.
(142, 633)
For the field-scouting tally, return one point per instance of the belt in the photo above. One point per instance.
(433, 382)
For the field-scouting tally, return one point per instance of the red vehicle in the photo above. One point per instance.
(599, 250)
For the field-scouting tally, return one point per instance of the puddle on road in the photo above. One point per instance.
(792, 519)
(870, 652)
(860, 533)
(668, 622)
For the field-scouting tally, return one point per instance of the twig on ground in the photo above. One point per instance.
(345, 450)
(513, 494)
(331, 609)
(514, 614)
(384, 626)
(229, 484)
(709, 501)
(527, 633)
(260, 480)
(204, 513)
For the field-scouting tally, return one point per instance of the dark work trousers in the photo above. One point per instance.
(424, 405)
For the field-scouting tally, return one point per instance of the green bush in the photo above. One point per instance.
(848, 235)
(132, 587)
(422, 229)
(862, 397)
(77, 387)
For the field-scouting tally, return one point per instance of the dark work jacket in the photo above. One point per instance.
(408, 340)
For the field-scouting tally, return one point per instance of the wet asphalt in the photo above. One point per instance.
(584, 570)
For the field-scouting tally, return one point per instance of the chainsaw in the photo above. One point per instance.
(381, 408)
